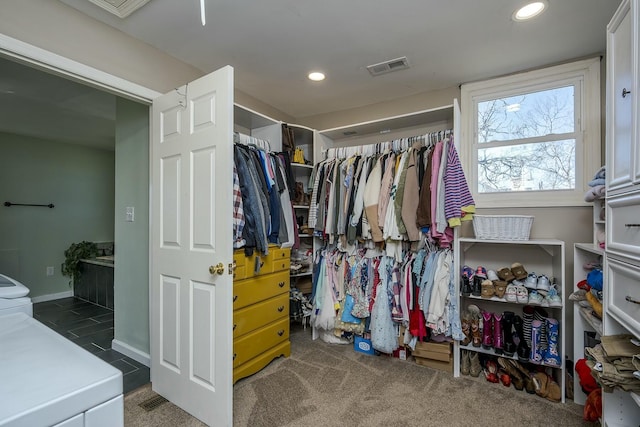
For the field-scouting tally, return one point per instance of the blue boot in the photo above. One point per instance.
(552, 353)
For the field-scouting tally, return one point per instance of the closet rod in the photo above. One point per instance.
(9, 204)
(380, 147)
(241, 138)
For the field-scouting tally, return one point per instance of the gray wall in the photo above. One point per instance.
(131, 275)
(78, 180)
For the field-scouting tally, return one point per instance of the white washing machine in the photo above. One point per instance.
(13, 297)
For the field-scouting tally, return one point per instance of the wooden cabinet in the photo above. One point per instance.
(260, 310)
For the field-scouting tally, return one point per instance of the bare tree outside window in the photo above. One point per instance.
(529, 142)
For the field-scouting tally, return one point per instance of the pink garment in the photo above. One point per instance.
(445, 239)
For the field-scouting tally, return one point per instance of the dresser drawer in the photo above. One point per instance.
(623, 298)
(257, 315)
(251, 291)
(254, 343)
(623, 224)
(258, 264)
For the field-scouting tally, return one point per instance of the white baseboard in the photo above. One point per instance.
(131, 352)
(51, 297)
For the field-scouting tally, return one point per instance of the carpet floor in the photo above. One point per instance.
(332, 385)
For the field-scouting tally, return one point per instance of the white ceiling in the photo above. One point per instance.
(273, 44)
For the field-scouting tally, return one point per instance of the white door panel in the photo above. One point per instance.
(191, 308)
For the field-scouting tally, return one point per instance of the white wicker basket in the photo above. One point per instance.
(502, 227)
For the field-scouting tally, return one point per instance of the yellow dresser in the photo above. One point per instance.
(260, 310)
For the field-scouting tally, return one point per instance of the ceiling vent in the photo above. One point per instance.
(389, 66)
(120, 8)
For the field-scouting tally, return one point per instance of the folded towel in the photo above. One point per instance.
(601, 174)
(597, 192)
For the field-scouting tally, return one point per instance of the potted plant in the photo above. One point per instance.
(73, 255)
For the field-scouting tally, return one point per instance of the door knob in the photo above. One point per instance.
(217, 269)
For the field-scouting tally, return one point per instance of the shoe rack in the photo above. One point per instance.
(302, 167)
(542, 257)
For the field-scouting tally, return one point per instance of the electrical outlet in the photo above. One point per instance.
(49, 271)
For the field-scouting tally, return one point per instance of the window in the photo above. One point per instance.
(533, 139)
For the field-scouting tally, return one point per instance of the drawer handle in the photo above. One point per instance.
(635, 301)
(632, 225)
(281, 284)
(234, 326)
(281, 308)
(281, 332)
(235, 297)
(234, 356)
(625, 92)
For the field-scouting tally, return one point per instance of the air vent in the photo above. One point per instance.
(349, 133)
(389, 66)
(152, 403)
(120, 8)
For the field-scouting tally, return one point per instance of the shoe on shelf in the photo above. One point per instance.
(505, 274)
(500, 287)
(465, 322)
(476, 288)
(476, 335)
(531, 282)
(516, 377)
(522, 295)
(505, 379)
(535, 298)
(510, 293)
(487, 330)
(518, 271)
(543, 283)
(467, 272)
(465, 363)
(465, 286)
(488, 290)
(474, 361)
(481, 272)
(553, 298)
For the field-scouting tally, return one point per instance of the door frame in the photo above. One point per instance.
(50, 62)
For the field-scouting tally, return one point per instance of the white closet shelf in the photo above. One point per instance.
(502, 300)
(301, 165)
(493, 353)
(586, 315)
(590, 247)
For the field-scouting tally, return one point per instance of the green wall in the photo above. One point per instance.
(78, 180)
(131, 275)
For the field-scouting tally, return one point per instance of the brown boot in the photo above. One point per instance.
(476, 336)
(516, 377)
(466, 329)
(465, 362)
(474, 360)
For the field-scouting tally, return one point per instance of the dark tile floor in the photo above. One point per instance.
(91, 327)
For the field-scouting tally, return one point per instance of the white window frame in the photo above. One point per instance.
(586, 76)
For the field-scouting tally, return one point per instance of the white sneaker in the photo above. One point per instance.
(535, 298)
(511, 294)
(553, 298)
(522, 295)
(543, 283)
(531, 282)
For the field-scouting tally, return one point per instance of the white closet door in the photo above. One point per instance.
(191, 304)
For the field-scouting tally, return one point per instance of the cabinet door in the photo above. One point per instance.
(620, 99)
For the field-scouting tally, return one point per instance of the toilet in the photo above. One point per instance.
(13, 297)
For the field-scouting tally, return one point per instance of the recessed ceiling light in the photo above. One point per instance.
(316, 76)
(530, 10)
